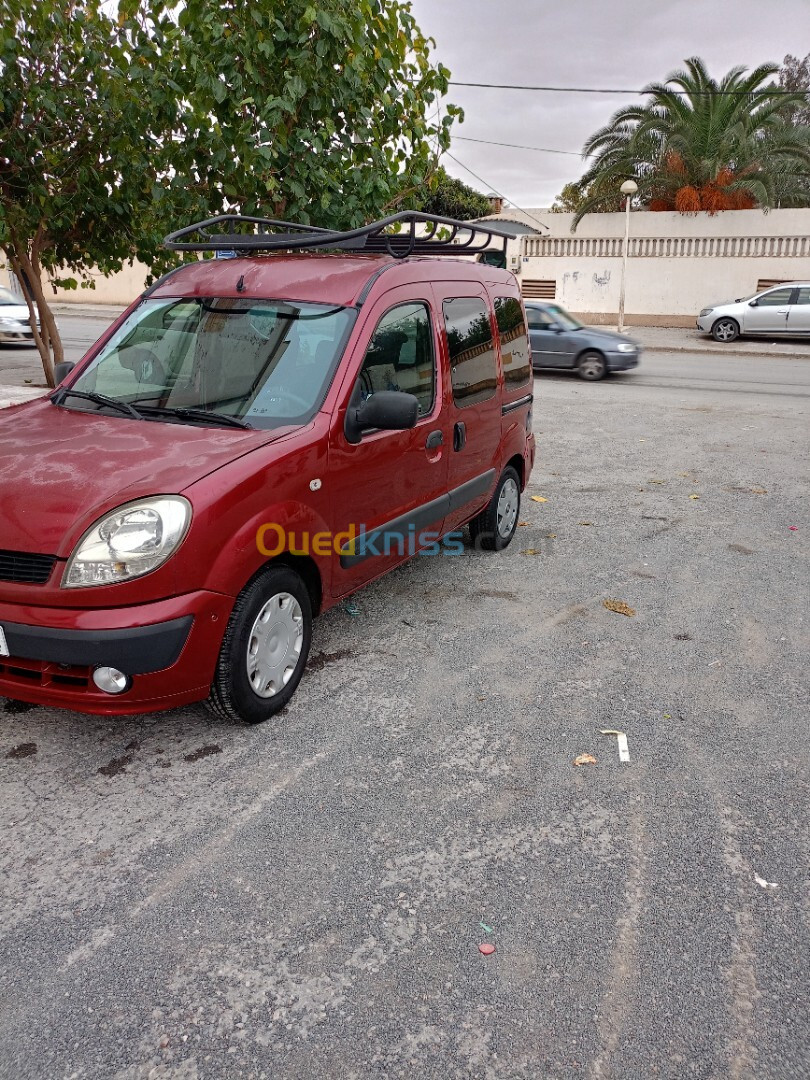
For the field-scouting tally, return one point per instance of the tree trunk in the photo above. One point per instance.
(47, 338)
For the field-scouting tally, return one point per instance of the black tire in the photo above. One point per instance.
(484, 528)
(233, 696)
(592, 366)
(725, 330)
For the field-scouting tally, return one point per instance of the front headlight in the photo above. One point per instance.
(12, 324)
(626, 346)
(128, 542)
(706, 311)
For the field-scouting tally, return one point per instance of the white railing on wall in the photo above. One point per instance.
(652, 247)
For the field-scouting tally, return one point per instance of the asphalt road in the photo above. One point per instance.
(185, 899)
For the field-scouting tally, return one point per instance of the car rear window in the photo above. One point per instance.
(474, 374)
(515, 352)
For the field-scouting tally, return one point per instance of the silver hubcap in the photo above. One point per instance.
(508, 502)
(725, 331)
(274, 645)
(592, 367)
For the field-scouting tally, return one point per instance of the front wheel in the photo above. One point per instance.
(495, 526)
(265, 647)
(725, 330)
(592, 366)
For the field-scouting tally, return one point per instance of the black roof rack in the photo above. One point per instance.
(395, 235)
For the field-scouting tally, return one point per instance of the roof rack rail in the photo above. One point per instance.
(396, 236)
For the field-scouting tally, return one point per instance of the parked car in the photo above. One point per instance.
(252, 441)
(15, 327)
(781, 310)
(561, 342)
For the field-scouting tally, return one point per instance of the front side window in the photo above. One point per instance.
(562, 318)
(775, 299)
(515, 352)
(473, 372)
(266, 362)
(400, 356)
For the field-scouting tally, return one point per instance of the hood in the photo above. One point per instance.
(609, 338)
(60, 468)
(17, 312)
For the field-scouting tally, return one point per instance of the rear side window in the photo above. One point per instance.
(400, 356)
(473, 372)
(515, 352)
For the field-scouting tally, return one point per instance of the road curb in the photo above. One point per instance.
(709, 351)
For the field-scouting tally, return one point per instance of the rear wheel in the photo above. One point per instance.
(726, 330)
(265, 648)
(592, 366)
(495, 526)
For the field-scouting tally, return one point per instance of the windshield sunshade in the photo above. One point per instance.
(268, 363)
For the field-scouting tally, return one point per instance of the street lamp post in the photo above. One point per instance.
(628, 189)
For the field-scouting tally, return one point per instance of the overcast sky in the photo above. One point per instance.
(598, 43)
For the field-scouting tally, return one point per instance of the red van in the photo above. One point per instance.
(256, 438)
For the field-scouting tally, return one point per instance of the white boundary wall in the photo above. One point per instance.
(676, 264)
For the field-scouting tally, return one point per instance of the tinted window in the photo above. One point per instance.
(400, 356)
(472, 352)
(514, 341)
(804, 296)
(775, 298)
(538, 320)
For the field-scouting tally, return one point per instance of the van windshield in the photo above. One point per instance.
(266, 362)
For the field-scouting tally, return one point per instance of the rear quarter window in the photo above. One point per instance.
(473, 372)
(515, 351)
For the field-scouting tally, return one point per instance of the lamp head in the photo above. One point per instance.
(629, 187)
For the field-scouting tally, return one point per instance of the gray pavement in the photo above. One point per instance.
(186, 899)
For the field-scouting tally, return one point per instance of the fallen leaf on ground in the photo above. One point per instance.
(551, 536)
(656, 481)
(759, 491)
(619, 607)
(584, 523)
(694, 496)
(486, 949)
(538, 498)
(585, 759)
(765, 884)
(524, 523)
(531, 551)
(684, 474)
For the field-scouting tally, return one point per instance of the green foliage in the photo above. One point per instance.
(736, 146)
(116, 130)
(575, 195)
(447, 197)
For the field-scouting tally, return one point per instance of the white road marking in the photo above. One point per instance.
(621, 738)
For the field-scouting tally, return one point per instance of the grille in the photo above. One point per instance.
(539, 290)
(25, 568)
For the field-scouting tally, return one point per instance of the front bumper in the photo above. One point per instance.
(23, 336)
(168, 648)
(622, 361)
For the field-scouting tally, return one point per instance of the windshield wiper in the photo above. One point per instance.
(184, 413)
(99, 399)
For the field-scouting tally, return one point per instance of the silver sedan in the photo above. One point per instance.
(15, 327)
(781, 310)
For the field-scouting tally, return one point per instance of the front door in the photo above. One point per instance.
(769, 316)
(391, 487)
(473, 398)
(551, 347)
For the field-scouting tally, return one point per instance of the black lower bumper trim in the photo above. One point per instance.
(135, 651)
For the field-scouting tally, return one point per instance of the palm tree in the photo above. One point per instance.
(700, 144)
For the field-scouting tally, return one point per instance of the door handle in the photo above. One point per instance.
(434, 439)
(459, 434)
(781, 311)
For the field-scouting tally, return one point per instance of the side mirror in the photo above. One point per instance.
(390, 410)
(753, 303)
(555, 327)
(61, 371)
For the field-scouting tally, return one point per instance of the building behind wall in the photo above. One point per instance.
(677, 264)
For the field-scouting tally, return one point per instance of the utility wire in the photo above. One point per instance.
(518, 146)
(498, 193)
(635, 93)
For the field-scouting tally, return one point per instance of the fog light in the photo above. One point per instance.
(111, 680)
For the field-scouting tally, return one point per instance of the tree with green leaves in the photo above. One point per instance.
(699, 144)
(116, 130)
(575, 195)
(446, 196)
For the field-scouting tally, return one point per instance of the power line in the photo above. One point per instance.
(495, 191)
(636, 93)
(518, 146)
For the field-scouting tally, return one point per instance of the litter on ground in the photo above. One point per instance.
(619, 607)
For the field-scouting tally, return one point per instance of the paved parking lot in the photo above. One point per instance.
(186, 899)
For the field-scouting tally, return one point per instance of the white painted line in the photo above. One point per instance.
(621, 738)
